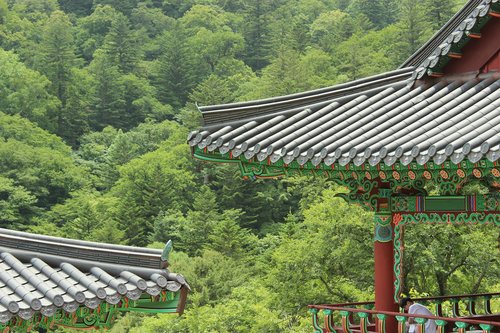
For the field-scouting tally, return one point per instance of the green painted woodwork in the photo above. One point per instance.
(101, 317)
(448, 176)
(383, 228)
(478, 203)
(381, 322)
(440, 323)
(329, 320)
(346, 323)
(401, 323)
(461, 324)
(166, 251)
(317, 327)
(486, 328)
(402, 219)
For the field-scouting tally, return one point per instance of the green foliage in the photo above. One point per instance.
(446, 260)
(36, 163)
(16, 205)
(121, 45)
(25, 92)
(93, 29)
(332, 250)
(119, 82)
(157, 182)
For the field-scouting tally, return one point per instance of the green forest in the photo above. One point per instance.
(97, 98)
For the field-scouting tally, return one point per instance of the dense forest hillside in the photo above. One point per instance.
(97, 98)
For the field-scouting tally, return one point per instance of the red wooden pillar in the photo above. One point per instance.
(384, 269)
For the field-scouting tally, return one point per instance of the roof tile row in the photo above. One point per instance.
(454, 120)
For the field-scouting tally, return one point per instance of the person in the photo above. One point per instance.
(412, 307)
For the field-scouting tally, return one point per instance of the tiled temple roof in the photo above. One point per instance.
(386, 118)
(455, 119)
(43, 274)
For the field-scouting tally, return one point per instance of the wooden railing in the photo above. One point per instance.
(458, 313)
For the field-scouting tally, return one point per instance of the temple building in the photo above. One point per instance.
(436, 119)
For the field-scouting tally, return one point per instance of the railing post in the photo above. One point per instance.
(329, 321)
(381, 322)
(461, 326)
(486, 328)
(440, 325)
(487, 304)
(471, 305)
(363, 318)
(455, 307)
(370, 319)
(317, 327)
(420, 324)
(401, 324)
(439, 308)
(346, 324)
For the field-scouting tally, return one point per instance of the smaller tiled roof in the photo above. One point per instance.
(42, 274)
(451, 38)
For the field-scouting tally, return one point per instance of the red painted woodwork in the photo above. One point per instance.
(479, 54)
(384, 282)
(493, 64)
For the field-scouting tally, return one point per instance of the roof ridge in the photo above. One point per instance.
(71, 248)
(309, 93)
(77, 242)
(230, 113)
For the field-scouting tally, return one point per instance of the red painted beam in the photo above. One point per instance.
(477, 52)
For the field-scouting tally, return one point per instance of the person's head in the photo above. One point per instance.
(405, 303)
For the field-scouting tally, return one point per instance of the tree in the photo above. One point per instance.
(228, 238)
(74, 117)
(109, 102)
(37, 162)
(17, 205)
(80, 8)
(57, 53)
(160, 181)
(438, 12)
(121, 45)
(443, 259)
(25, 92)
(334, 243)
(4, 9)
(200, 221)
(57, 60)
(380, 12)
(174, 75)
(124, 6)
(413, 27)
(256, 32)
(91, 30)
(214, 90)
(35, 10)
(331, 28)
